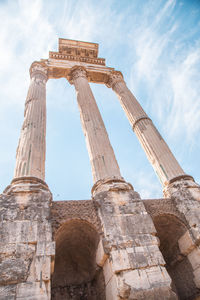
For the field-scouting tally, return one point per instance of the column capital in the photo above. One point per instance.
(76, 72)
(113, 78)
(39, 69)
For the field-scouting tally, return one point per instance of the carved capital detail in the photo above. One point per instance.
(39, 69)
(77, 72)
(113, 78)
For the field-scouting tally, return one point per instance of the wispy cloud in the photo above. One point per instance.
(170, 72)
(25, 36)
(185, 104)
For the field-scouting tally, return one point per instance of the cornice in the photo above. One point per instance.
(63, 56)
(62, 69)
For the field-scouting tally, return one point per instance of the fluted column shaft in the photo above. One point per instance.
(103, 162)
(30, 157)
(157, 151)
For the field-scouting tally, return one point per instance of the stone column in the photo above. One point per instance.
(30, 157)
(104, 165)
(157, 151)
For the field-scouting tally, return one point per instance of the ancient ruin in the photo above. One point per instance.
(116, 245)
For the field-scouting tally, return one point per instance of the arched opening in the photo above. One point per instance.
(169, 230)
(76, 275)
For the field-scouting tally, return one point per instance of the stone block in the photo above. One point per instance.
(43, 268)
(31, 291)
(194, 258)
(138, 257)
(195, 231)
(46, 269)
(197, 277)
(162, 292)
(44, 232)
(138, 224)
(145, 240)
(45, 248)
(193, 215)
(8, 292)
(107, 271)
(25, 251)
(135, 279)
(111, 289)
(120, 260)
(186, 243)
(39, 260)
(139, 284)
(132, 208)
(14, 266)
(111, 226)
(13, 271)
(158, 275)
(7, 249)
(154, 256)
(101, 256)
(19, 232)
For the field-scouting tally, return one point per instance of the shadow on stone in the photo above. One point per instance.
(169, 230)
(76, 275)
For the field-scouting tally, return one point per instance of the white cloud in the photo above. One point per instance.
(146, 185)
(170, 71)
(24, 36)
(185, 82)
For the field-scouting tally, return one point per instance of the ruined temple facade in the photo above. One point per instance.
(115, 245)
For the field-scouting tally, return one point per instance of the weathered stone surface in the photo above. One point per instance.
(111, 289)
(194, 258)
(101, 256)
(186, 243)
(26, 235)
(197, 277)
(45, 248)
(32, 291)
(15, 265)
(8, 292)
(135, 264)
(29, 207)
(151, 283)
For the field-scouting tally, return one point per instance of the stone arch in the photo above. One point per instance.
(76, 275)
(170, 229)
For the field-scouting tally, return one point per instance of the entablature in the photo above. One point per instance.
(62, 69)
(72, 54)
(66, 56)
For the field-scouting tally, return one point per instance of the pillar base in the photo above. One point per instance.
(182, 187)
(26, 184)
(180, 177)
(110, 184)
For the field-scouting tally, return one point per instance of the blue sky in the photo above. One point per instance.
(156, 45)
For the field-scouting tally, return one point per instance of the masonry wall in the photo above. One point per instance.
(26, 247)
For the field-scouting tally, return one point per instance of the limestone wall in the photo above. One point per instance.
(26, 247)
